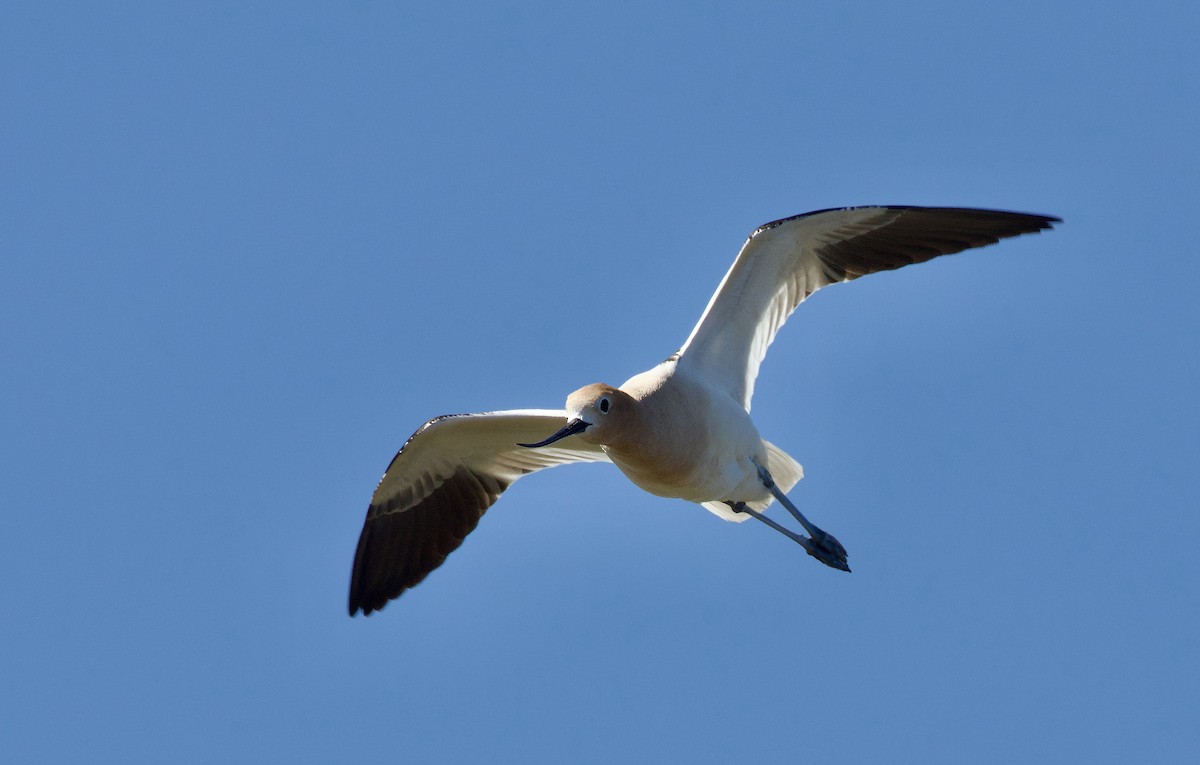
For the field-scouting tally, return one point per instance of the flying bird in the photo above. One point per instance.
(681, 429)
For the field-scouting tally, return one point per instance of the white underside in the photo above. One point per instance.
(786, 473)
(731, 449)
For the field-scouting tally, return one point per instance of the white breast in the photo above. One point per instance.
(695, 441)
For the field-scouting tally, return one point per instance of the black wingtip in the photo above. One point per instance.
(1045, 222)
(359, 605)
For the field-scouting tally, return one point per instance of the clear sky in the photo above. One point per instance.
(246, 249)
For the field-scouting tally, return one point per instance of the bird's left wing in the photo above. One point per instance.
(785, 261)
(437, 488)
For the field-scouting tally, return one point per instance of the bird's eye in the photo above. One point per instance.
(604, 405)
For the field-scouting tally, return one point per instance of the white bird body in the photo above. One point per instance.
(681, 429)
(689, 440)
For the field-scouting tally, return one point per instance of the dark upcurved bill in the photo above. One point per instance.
(572, 427)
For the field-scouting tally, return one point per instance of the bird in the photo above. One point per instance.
(681, 429)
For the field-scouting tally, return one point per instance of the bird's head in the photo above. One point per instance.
(596, 413)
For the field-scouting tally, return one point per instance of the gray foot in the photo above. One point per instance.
(824, 547)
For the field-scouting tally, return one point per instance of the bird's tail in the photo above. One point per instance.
(786, 472)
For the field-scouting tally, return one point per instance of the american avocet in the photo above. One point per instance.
(681, 429)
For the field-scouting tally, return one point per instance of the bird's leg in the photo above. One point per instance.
(803, 541)
(823, 546)
(833, 555)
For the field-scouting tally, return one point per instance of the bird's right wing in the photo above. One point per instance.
(785, 261)
(437, 488)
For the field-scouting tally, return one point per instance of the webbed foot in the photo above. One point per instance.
(824, 547)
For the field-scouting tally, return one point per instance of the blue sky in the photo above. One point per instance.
(247, 250)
